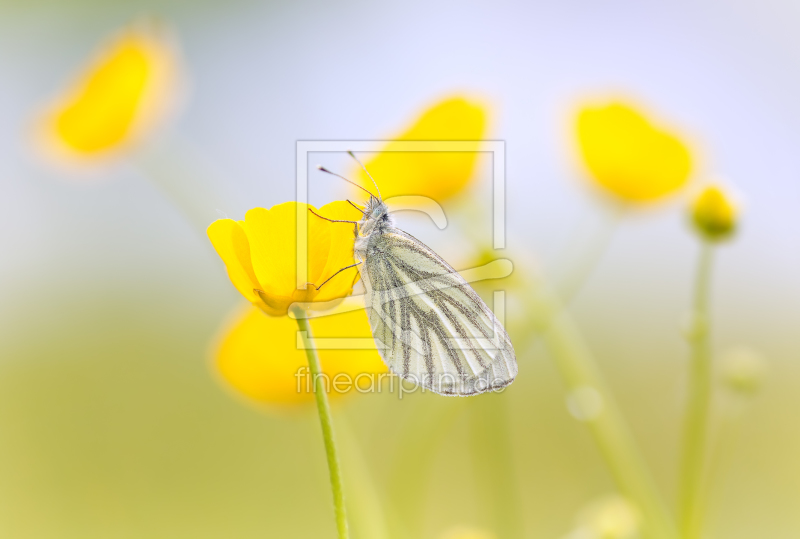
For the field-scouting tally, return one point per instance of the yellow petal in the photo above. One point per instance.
(259, 358)
(320, 235)
(437, 175)
(340, 253)
(273, 247)
(124, 92)
(630, 157)
(230, 242)
(272, 236)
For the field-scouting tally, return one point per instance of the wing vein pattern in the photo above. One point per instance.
(435, 329)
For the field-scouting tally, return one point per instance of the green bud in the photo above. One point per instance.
(714, 215)
(742, 371)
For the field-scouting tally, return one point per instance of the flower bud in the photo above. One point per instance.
(610, 517)
(742, 371)
(714, 215)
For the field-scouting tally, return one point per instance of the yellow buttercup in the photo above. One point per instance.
(259, 358)
(438, 175)
(630, 156)
(260, 254)
(121, 96)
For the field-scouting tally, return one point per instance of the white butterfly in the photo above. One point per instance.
(432, 328)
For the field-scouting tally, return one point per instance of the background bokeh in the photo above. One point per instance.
(113, 424)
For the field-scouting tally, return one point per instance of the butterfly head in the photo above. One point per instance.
(376, 219)
(376, 209)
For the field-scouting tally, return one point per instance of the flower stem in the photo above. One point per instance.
(606, 424)
(324, 411)
(699, 400)
(182, 175)
(577, 273)
(580, 372)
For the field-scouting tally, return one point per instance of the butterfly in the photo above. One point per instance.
(431, 327)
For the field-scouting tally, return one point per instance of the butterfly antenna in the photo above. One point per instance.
(368, 174)
(323, 169)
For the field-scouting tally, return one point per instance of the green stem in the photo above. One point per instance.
(695, 435)
(576, 275)
(606, 423)
(725, 440)
(181, 175)
(324, 411)
(580, 372)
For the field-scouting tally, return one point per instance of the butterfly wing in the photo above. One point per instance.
(431, 327)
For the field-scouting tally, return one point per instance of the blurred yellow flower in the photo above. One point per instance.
(260, 358)
(628, 155)
(714, 214)
(437, 175)
(123, 94)
(260, 254)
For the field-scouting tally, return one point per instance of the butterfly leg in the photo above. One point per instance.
(334, 275)
(332, 220)
(355, 206)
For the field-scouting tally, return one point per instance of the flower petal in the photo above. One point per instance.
(273, 247)
(230, 242)
(340, 252)
(438, 175)
(129, 88)
(628, 156)
(259, 358)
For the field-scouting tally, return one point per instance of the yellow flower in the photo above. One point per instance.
(259, 357)
(628, 155)
(260, 254)
(123, 94)
(437, 175)
(714, 214)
